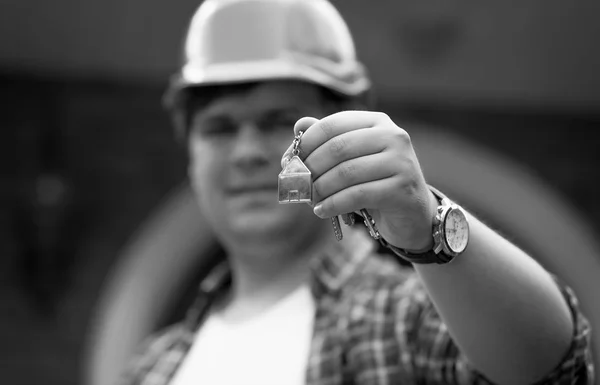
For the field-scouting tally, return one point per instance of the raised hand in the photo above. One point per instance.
(362, 159)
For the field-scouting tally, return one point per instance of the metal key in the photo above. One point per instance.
(349, 219)
(370, 223)
(337, 229)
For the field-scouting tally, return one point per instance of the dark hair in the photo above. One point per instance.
(193, 99)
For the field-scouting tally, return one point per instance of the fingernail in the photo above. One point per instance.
(318, 210)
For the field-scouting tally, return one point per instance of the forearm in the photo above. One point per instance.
(501, 307)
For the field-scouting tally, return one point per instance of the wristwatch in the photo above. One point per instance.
(450, 234)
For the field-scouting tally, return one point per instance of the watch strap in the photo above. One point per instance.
(427, 257)
(424, 258)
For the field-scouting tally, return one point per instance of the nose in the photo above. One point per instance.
(250, 149)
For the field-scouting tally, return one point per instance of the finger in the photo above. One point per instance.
(333, 125)
(352, 172)
(341, 148)
(301, 125)
(372, 194)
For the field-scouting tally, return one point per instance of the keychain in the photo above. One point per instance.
(350, 219)
(294, 182)
(294, 185)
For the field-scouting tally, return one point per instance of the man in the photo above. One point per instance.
(292, 305)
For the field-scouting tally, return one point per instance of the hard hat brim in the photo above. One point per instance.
(351, 84)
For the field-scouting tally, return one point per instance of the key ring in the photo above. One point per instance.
(296, 143)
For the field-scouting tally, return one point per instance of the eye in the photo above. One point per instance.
(279, 120)
(213, 127)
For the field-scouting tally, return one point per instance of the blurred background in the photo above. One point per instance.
(88, 153)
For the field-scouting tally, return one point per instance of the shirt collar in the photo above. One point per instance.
(217, 280)
(330, 269)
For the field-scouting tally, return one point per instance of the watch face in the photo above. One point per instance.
(456, 230)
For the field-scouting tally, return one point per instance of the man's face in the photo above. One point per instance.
(236, 142)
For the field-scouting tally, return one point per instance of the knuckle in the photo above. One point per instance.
(346, 170)
(408, 186)
(337, 145)
(327, 126)
(402, 136)
(398, 133)
(382, 117)
(360, 194)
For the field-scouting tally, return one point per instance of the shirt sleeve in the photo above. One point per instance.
(435, 358)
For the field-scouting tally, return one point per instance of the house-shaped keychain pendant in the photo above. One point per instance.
(295, 182)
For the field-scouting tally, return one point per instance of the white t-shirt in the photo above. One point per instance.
(271, 348)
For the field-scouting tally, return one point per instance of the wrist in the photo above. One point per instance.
(424, 240)
(449, 233)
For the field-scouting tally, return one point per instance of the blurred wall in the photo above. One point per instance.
(88, 152)
(540, 52)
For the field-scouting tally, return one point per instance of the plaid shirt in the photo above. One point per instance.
(374, 325)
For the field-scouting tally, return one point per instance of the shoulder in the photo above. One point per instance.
(155, 354)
